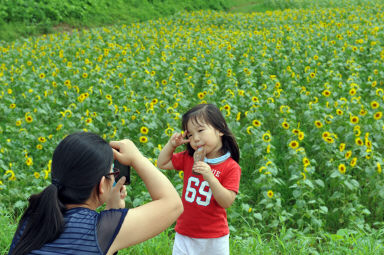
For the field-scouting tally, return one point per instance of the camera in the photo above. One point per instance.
(124, 171)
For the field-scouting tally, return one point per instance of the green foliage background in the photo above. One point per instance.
(31, 17)
(302, 90)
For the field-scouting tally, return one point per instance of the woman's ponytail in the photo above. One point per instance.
(42, 222)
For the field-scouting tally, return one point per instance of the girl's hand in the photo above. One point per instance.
(178, 139)
(116, 199)
(204, 169)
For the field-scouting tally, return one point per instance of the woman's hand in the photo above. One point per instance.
(125, 151)
(116, 199)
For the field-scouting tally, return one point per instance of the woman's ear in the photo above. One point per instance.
(102, 185)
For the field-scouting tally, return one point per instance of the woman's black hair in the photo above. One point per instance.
(211, 115)
(78, 163)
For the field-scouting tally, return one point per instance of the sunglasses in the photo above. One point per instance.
(115, 172)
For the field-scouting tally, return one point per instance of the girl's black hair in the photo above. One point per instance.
(78, 163)
(211, 115)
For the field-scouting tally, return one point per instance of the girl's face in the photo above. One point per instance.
(204, 135)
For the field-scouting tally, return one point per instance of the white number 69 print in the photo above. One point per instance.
(203, 197)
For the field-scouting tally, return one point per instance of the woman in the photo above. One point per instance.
(62, 218)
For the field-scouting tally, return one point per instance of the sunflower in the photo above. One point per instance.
(37, 175)
(318, 124)
(42, 139)
(378, 167)
(354, 119)
(67, 83)
(339, 112)
(29, 161)
(144, 130)
(374, 105)
(12, 106)
(378, 115)
(348, 154)
(18, 123)
(363, 112)
(28, 118)
(285, 125)
(342, 147)
(306, 162)
(326, 134)
(266, 137)
(249, 130)
(270, 193)
(143, 139)
(181, 174)
(359, 142)
(326, 93)
(369, 154)
(294, 144)
(262, 168)
(328, 118)
(342, 168)
(256, 123)
(200, 95)
(353, 162)
(39, 146)
(357, 130)
(169, 131)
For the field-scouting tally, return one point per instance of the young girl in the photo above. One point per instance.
(210, 186)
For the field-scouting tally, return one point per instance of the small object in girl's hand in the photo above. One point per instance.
(199, 155)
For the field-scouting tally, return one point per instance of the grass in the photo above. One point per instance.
(286, 242)
(26, 18)
(250, 6)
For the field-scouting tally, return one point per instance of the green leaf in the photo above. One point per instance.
(258, 216)
(324, 209)
(320, 183)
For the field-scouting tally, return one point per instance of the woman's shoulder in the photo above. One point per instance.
(113, 212)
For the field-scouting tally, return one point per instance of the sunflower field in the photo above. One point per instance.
(301, 89)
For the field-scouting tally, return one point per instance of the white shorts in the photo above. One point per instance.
(185, 245)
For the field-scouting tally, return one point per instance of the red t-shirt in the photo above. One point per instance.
(203, 217)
